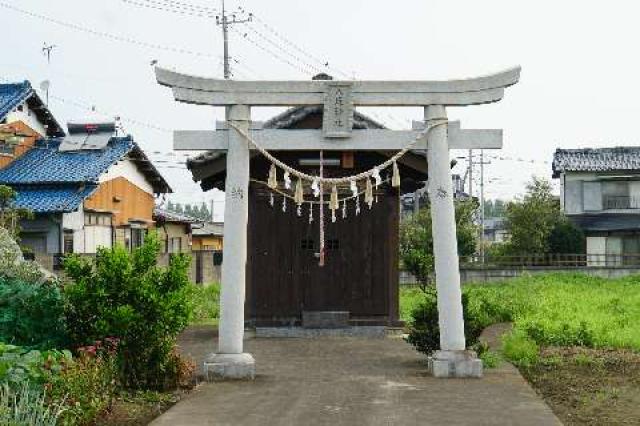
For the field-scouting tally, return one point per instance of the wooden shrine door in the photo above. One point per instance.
(360, 274)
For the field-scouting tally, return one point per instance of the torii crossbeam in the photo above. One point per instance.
(339, 99)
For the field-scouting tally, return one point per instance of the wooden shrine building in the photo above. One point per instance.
(284, 279)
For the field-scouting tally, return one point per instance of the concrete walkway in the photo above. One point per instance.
(349, 381)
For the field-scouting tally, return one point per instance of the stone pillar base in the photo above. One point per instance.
(229, 366)
(446, 364)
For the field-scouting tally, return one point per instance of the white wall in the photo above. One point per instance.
(28, 117)
(74, 221)
(97, 236)
(128, 170)
(596, 246)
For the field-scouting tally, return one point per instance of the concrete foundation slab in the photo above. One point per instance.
(449, 364)
(325, 319)
(375, 332)
(229, 366)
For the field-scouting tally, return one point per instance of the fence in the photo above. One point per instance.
(497, 268)
(551, 260)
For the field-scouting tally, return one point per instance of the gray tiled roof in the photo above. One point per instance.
(596, 160)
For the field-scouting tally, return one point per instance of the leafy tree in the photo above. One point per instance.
(494, 208)
(531, 220)
(188, 210)
(416, 239)
(566, 237)
(10, 215)
(204, 213)
(126, 295)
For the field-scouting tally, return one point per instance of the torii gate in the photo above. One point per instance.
(339, 98)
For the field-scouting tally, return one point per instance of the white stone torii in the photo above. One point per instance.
(339, 98)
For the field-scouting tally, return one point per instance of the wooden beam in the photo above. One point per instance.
(361, 140)
(492, 81)
(200, 97)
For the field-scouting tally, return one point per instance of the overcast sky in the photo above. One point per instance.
(580, 65)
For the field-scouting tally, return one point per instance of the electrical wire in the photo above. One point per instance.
(180, 11)
(248, 39)
(106, 35)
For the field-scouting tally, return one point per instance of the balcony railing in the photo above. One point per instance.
(620, 202)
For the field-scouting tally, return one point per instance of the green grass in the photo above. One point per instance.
(206, 299)
(555, 310)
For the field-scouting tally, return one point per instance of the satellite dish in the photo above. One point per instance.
(44, 86)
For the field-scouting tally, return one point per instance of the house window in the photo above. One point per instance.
(68, 242)
(137, 237)
(615, 195)
(175, 245)
(6, 148)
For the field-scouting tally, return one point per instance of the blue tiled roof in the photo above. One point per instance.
(44, 164)
(52, 199)
(12, 95)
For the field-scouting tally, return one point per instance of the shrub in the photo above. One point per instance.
(566, 237)
(26, 406)
(127, 295)
(20, 365)
(424, 331)
(87, 386)
(13, 265)
(518, 348)
(31, 313)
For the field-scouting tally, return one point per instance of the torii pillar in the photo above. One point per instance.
(339, 98)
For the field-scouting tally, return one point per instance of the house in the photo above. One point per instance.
(283, 276)
(24, 118)
(88, 189)
(174, 230)
(495, 230)
(207, 236)
(600, 192)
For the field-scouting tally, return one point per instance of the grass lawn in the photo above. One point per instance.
(576, 339)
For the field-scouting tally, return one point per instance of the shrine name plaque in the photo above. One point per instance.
(337, 120)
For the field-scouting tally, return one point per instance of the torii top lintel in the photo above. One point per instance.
(218, 92)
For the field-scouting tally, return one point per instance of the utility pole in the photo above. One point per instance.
(224, 21)
(482, 163)
(46, 84)
(470, 173)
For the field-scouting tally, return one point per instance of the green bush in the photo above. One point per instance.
(31, 313)
(20, 365)
(12, 263)
(87, 386)
(127, 295)
(424, 333)
(518, 348)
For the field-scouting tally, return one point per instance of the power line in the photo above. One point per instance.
(105, 34)
(246, 37)
(284, 50)
(324, 63)
(176, 10)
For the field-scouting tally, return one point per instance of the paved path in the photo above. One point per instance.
(344, 381)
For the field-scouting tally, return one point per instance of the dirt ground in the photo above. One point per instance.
(589, 386)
